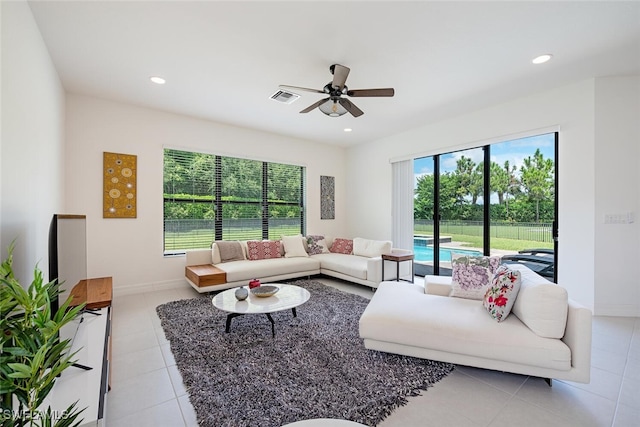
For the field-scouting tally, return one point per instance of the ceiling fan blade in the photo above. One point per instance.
(371, 92)
(306, 89)
(314, 105)
(350, 107)
(340, 73)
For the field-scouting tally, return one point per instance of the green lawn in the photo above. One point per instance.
(202, 238)
(508, 237)
(500, 243)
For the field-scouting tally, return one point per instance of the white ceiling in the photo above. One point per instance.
(223, 60)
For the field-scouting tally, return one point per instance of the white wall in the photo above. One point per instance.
(617, 250)
(570, 107)
(130, 250)
(32, 141)
(599, 163)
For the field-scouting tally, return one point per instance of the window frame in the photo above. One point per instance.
(264, 205)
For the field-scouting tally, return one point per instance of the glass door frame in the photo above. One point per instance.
(486, 206)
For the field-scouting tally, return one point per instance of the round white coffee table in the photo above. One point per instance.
(288, 297)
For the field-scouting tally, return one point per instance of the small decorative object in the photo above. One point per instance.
(265, 291)
(254, 283)
(241, 293)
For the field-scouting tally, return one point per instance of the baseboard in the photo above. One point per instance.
(619, 310)
(140, 288)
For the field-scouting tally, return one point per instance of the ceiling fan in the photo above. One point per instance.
(335, 105)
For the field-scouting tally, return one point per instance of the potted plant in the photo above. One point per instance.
(32, 355)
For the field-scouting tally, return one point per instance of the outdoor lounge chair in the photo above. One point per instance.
(542, 261)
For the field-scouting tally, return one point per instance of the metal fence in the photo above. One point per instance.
(533, 231)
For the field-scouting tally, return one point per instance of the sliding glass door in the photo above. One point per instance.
(498, 199)
(524, 202)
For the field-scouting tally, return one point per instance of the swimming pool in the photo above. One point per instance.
(425, 253)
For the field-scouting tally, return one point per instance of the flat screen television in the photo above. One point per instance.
(67, 253)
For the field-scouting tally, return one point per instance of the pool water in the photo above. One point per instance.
(425, 253)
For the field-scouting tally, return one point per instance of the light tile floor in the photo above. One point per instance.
(147, 389)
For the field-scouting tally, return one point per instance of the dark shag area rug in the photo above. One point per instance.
(315, 367)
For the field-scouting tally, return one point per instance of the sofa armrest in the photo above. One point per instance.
(374, 269)
(437, 285)
(198, 257)
(577, 336)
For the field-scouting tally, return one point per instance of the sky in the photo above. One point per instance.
(515, 151)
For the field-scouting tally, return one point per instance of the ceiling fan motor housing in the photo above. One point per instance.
(334, 91)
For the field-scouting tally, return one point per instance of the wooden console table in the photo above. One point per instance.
(89, 380)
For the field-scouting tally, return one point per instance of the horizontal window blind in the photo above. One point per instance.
(209, 197)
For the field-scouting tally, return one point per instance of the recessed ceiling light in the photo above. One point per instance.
(542, 58)
(157, 80)
(348, 129)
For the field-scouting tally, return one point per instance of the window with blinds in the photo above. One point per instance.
(209, 197)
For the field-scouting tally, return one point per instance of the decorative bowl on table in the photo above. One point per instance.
(265, 291)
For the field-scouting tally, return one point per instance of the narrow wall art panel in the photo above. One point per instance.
(327, 197)
(119, 185)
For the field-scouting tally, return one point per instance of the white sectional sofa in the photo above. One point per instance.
(362, 266)
(546, 335)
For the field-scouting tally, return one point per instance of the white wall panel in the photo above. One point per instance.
(617, 249)
(32, 141)
(131, 250)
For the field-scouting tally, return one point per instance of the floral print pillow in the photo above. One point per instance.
(342, 246)
(472, 275)
(316, 245)
(502, 293)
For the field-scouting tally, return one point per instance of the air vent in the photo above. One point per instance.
(284, 96)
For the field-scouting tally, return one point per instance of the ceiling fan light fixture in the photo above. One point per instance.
(333, 108)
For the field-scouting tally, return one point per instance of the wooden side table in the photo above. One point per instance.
(205, 275)
(398, 257)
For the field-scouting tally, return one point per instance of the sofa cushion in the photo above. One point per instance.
(370, 248)
(541, 305)
(342, 246)
(263, 249)
(472, 275)
(402, 313)
(437, 285)
(229, 250)
(294, 246)
(246, 270)
(502, 293)
(350, 265)
(316, 244)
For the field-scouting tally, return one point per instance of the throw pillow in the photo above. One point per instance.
(263, 249)
(502, 293)
(316, 245)
(370, 248)
(230, 251)
(471, 275)
(342, 246)
(293, 246)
